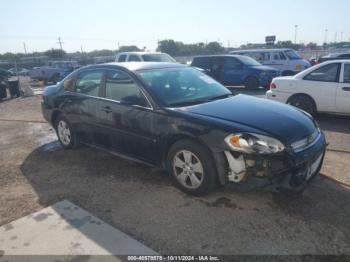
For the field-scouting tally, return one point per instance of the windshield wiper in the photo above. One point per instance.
(199, 101)
(219, 97)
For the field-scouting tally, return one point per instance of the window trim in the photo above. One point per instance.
(337, 78)
(149, 107)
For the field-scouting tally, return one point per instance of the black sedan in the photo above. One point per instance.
(175, 117)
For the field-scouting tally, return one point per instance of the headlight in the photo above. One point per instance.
(254, 143)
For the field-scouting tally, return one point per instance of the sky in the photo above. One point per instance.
(103, 24)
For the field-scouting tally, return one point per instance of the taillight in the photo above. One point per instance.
(273, 86)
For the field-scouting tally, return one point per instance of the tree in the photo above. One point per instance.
(55, 53)
(168, 46)
(214, 48)
(129, 48)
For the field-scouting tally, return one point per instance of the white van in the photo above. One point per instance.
(286, 60)
(144, 57)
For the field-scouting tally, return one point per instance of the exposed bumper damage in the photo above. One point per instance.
(291, 171)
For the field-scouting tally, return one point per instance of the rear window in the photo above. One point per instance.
(201, 62)
(158, 58)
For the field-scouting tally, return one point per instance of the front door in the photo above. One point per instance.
(232, 72)
(126, 117)
(216, 66)
(278, 60)
(343, 91)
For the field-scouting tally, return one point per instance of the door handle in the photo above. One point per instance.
(107, 109)
(346, 88)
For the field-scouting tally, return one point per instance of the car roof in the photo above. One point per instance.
(335, 61)
(136, 66)
(262, 49)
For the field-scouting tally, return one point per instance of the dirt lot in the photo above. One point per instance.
(36, 172)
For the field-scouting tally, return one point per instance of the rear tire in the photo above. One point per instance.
(65, 133)
(251, 82)
(303, 102)
(191, 167)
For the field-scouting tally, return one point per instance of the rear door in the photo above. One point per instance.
(216, 68)
(80, 102)
(126, 117)
(343, 91)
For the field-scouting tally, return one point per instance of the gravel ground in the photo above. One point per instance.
(36, 172)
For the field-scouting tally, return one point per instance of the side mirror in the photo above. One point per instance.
(134, 100)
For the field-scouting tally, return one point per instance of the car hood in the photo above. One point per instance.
(281, 121)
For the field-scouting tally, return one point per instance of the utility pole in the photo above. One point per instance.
(335, 37)
(325, 35)
(25, 48)
(81, 49)
(341, 36)
(295, 33)
(60, 42)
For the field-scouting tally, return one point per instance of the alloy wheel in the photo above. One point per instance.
(188, 169)
(64, 132)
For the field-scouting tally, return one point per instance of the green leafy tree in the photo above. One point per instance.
(129, 48)
(55, 53)
(169, 46)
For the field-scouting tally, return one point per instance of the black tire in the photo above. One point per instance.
(251, 82)
(73, 141)
(303, 102)
(209, 178)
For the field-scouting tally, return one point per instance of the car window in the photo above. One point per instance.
(121, 87)
(134, 58)
(201, 62)
(89, 83)
(158, 58)
(260, 56)
(327, 73)
(278, 56)
(122, 58)
(232, 63)
(346, 73)
(179, 86)
(344, 56)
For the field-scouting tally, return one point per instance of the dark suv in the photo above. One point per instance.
(236, 70)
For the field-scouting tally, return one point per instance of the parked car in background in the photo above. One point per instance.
(236, 70)
(54, 71)
(4, 74)
(333, 57)
(322, 88)
(285, 60)
(144, 57)
(175, 117)
(21, 71)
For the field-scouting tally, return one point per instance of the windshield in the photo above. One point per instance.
(292, 55)
(182, 86)
(249, 61)
(158, 58)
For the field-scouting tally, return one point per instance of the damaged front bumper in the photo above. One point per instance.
(288, 170)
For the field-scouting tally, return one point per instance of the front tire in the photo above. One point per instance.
(65, 133)
(303, 102)
(191, 167)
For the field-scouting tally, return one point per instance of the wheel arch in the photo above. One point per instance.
(218, 158)
(54, 116)
(303, 94)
